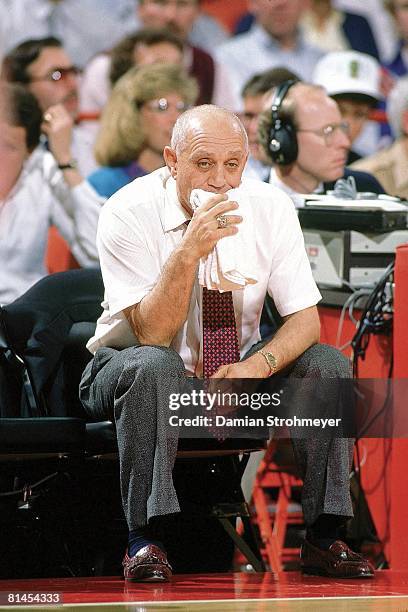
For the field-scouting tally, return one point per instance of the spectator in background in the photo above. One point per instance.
(205, 32)
(253, 95)
(44, 68)
(148, 46)
(329, 29)
(144, 48)
(332, 30)
(390, 166)
(178, 17)
(137, 124)
(274, 40)
(399, 11)
(85, 27)
(303, 134)
(352, 79)
(35, 194)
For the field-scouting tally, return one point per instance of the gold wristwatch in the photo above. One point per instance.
(270, 360)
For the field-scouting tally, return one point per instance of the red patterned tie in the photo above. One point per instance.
(220, 339)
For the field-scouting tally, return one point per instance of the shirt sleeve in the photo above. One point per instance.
(129, 268)
(291, 283)
(75, 213)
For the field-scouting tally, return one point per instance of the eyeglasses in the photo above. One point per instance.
(328, 131)
(162, 105)
(58, 74)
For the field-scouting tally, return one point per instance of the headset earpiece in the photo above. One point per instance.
(283, 145)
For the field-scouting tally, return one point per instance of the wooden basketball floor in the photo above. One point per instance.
(235, 592)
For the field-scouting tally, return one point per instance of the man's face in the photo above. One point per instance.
(159, 53)
(49, 90)
(356, 114)
(400, 10)
(213, 159)
(253, 107)
(158, 119)
(279, 17)
(177, 16)
(320, 157)
(13, 152)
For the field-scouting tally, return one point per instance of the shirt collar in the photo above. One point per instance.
(298, 198)
(174, 213)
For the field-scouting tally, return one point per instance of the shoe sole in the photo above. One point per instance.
(152, 578)
(315, 571)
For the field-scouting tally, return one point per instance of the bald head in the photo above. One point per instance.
(300, 94)
(208, 151)
(304, 94)
(207, 117)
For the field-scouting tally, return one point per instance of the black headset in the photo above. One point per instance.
(283, 144)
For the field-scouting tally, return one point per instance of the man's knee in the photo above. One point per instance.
(322, 361)
(153, 363)
(147, 374)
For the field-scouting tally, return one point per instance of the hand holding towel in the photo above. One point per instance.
(232, 264)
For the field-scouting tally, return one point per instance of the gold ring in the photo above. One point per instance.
(47, 117)
(222, 221)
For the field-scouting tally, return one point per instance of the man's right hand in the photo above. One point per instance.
(203, 231)
(57, 126)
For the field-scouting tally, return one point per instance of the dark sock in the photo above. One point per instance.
(325, 530)
(138, 538)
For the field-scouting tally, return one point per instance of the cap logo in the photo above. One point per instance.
(354, 69)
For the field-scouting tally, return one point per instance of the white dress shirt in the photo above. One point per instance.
(141, 225)
(295, 196)
(39, 199)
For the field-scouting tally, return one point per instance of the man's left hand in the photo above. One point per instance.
(253, 367)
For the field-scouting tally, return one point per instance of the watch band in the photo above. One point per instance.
(71, 165)
(270, 360)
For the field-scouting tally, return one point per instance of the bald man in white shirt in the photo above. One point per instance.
(148, 342)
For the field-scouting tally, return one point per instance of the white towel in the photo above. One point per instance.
(232, 264)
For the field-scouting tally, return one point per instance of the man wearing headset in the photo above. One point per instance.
(303, 134)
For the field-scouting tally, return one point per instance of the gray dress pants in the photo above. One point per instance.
(132, 388)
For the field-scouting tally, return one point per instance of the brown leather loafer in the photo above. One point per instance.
(149, 564)
(339, 561)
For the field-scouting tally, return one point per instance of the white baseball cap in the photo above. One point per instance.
(343, 72)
